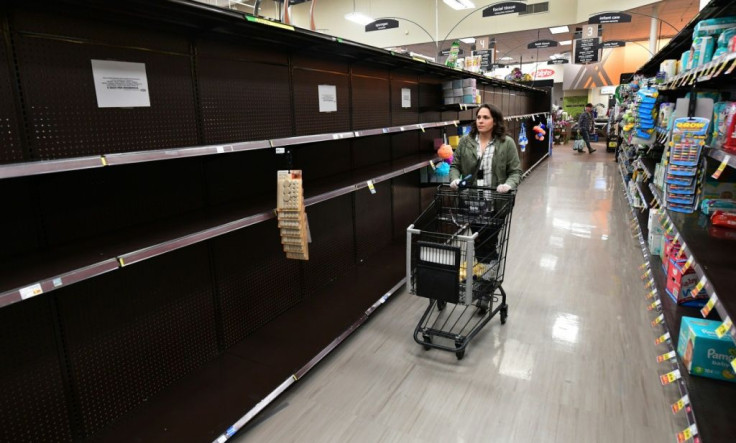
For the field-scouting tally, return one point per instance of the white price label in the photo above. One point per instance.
(31, 291)
(724, 328)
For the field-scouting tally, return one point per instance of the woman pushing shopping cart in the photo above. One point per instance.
(456, 249)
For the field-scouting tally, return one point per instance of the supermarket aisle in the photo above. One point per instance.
(576, 360)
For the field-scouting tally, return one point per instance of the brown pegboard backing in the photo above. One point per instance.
(404, 143)
(99, 201)
(18, 234)
(66, 122)
(242, 101)
(372, 220)
(96, 28)
(370, 102)
(133, 332)
(369, 151)
(426, 139)
(332, 251)
(255, 281)
(320, 160)
(430, 96)
(306, 102)
(406, 202)
(241, 176)
(32, 404)
(10, 145)
(399, 114)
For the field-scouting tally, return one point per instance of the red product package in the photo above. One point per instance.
(729, 143)
(725, 219)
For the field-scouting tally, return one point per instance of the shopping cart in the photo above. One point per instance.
(456, 254)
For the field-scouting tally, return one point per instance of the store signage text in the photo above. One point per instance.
(613, 44)
(541, 44)
(617, 17)
(380, 25)
(504, 8)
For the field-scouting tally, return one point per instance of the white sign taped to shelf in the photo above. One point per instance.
(327, 98)
(405, 98)
(120, 84)
(31, 291)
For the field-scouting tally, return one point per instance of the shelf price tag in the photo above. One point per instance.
(31, 291)
(662, 339)
(669, 227)
(371, 187)
(646, 274)
(677, 238)
(655, 305)
(680, 404)
(658, 320)
(670, 377)
(649, 284)
(717, 174)
(665, 357)
(651, 294)
(733, 364)
(709, 306)
(687, 265)
(724, 328)
(644, 266)
(687, 434)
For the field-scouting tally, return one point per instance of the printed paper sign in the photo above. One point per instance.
(120, 84)
(31, 291)
(405, 98)
(327, 98)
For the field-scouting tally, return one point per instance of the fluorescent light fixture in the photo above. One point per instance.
(469, 40)
(559, 29)
(506, 58)
(358, 18)
(459, 4)
(565, 42)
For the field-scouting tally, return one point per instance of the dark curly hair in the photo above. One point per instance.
(499, 129)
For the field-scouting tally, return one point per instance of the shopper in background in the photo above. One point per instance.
(490, 156)
(585, 126)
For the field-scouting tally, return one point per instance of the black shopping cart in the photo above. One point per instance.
(456, 254)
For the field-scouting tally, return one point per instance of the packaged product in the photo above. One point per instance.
(713, 26)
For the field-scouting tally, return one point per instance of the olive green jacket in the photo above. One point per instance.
(506, 165)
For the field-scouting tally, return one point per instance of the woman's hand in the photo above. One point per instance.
(503, 188)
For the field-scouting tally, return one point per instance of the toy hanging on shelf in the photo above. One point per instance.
(523, 141)
(540, 131)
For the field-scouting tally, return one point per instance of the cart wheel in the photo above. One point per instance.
(427, 339)
(504, 314)
(441, 305)
(483, 306)
(461, 352)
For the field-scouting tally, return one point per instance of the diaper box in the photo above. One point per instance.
(681, 283)
(702, 352)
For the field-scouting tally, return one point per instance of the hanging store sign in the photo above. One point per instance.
(504, 8)
(616, 17)
(497, 66)
(486, 59)
(558, 61)
(541, 44)
(613, 44)
(586, 51)
(380, 25)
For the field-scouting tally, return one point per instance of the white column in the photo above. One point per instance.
(653, 29)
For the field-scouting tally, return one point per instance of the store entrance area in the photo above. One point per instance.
(575, 361)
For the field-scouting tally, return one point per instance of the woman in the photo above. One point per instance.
(490, 156)
(487, 153)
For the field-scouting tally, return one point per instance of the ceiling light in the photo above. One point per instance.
(566, 42)
(506, 58)
(459, 4)
(358, 18)
(469, 40)
(559, 29)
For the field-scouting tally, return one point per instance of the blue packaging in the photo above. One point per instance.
(702, 48)
(702, 352)
(713, 26)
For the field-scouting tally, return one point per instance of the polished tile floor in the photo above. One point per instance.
(575, 362)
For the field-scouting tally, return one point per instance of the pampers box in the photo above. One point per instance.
(702, 352)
